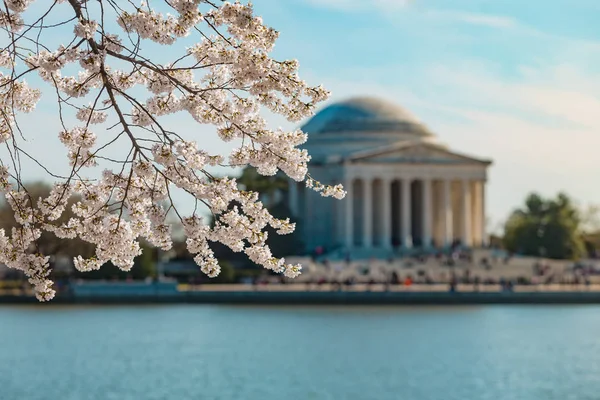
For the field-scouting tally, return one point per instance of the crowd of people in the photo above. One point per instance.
(459, 268)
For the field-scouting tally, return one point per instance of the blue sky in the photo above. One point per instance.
(516, 81)
(512, 80)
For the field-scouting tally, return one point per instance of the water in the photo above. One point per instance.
(264, 353)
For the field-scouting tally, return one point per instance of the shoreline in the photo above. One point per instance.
(323, 298)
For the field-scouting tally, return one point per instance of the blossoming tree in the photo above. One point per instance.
(103, 77)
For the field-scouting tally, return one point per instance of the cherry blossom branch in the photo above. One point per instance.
(224, 80)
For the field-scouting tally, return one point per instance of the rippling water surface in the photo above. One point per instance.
(263, 353)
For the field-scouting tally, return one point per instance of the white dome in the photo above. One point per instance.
(365, 114)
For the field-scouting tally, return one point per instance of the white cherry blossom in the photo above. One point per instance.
(108, 88)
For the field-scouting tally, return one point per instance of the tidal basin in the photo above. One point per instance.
(318, 352)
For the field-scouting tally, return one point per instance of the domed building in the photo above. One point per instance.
(405, 188)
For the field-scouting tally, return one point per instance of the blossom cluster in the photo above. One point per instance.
(225, 80)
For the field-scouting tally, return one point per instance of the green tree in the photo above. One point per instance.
(145, 264)
(267, 186)
(590, 219)
(545, 227)
(227, 274)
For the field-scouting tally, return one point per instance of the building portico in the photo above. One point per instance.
(411, 215)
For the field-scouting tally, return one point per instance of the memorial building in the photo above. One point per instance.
(405, 188)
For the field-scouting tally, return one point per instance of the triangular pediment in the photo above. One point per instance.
(415, 153)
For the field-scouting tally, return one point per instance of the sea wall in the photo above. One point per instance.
(326, 298)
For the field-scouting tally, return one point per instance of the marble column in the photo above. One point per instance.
(446, 214)
(480, 213)
(484, 238)
(405, 231)
(467, 239)
(367, 212)
(427, 215)
(387, 213)
(349, 200)
(475, 214)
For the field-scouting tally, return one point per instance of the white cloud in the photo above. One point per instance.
(358, 5)
(540, 128)
(385, 6)
(488, 20)
(554, 95)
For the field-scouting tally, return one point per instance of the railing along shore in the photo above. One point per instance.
(324, 294)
